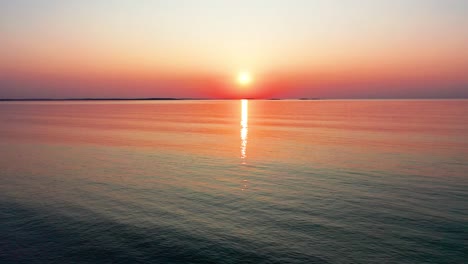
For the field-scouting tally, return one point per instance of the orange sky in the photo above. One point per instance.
(351, 49)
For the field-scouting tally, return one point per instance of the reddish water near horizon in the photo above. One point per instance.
(234, 181)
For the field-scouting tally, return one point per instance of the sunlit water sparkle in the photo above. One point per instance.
(162, 182)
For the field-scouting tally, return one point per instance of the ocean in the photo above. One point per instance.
(235, 181)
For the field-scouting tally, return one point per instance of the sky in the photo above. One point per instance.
(196, 48)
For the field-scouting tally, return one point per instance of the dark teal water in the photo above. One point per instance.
(232, 182)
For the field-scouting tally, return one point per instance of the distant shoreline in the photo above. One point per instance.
(142, 99)
(97, 99)
(206, 99)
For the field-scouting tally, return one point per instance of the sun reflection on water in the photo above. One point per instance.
(244, 128)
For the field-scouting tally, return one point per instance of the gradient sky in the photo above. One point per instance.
(175, 48)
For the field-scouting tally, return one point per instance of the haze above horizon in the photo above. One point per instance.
(196, 49)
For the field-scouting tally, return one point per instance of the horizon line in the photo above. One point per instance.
(188, 98)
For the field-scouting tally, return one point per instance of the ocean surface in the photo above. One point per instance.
(370, 181)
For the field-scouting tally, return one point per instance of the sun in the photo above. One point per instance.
(244, 78)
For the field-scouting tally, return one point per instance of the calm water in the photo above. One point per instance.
(234, 182)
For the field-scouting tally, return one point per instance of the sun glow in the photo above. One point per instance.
(244, 78)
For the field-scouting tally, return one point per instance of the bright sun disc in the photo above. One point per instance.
(244, 78)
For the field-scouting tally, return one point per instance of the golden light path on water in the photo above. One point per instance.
(244, 128)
